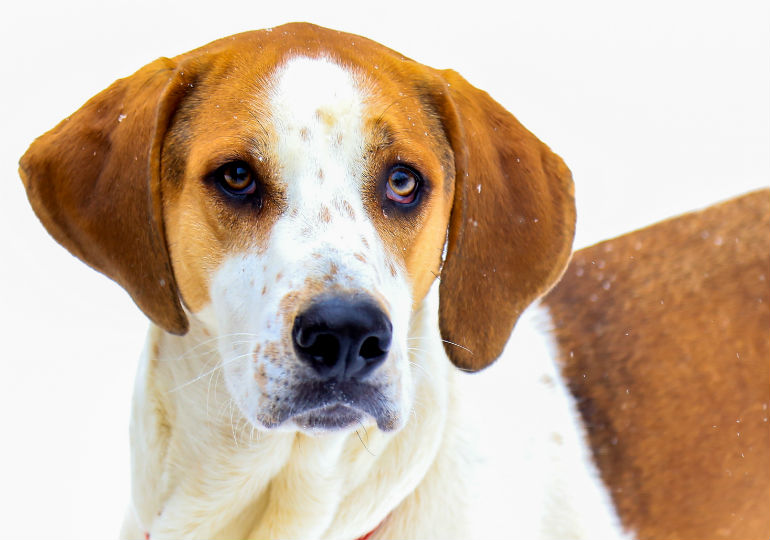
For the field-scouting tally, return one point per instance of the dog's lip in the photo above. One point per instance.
(330, 405)
(329, 417)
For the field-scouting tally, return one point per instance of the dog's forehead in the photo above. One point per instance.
(316, 111)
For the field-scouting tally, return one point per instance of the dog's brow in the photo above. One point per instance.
(381, 137)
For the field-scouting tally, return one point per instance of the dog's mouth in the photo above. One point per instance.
(330, 406)
(331, 417)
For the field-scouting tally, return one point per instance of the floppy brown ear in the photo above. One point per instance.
(511, 227)
(93, 181)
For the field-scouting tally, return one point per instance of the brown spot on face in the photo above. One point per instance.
(325, 117)
(273, 351)
(326, 216)
(264, 290)
(260, 376)
(338, 139)
(305, 134)
(321, 175)
(278, 276)
(365, 242)
(360, 257)
(345, 207)
(392, 269)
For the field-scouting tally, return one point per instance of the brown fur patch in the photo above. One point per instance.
(670, 369)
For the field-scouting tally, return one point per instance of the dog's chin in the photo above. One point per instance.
(331, 418)
(324, 406)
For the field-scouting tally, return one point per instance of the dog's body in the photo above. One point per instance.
(281, 204)
(664, 334)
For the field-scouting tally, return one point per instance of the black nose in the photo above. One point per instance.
(342, 337)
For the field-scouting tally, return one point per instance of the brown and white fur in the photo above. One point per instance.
(232, 434)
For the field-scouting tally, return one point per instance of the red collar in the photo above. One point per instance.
(368, 535)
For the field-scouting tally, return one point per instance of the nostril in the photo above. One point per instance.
(372, 348)
(325, 349)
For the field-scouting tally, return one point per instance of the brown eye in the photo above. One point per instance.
(236, 179)
(403, 185)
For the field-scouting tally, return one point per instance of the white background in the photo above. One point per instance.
(658, 107)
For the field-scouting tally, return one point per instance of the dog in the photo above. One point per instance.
(325, 236)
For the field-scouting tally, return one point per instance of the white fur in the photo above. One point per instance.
(208, 463)
(538, 461)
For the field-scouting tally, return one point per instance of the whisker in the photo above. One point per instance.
(232, 428)
(457, 345)
(421, 368)
(362, 441)
(212, 370)
(212, 340)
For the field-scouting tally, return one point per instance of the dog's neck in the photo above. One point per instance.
(194, 455)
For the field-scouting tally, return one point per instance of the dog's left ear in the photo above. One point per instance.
(511, 226)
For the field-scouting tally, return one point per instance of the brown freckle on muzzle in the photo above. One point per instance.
(261, 376)
(360, 257)
(272, 351)
(326, 216)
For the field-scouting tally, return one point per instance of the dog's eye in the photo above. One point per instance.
(403, 185)
(236, 179)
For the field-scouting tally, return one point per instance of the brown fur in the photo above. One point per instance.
(665, 339)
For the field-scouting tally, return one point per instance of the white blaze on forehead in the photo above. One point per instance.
(317, 113)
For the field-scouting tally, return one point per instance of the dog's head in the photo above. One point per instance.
(301, 189)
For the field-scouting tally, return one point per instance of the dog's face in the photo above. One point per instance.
(297, 191)
(326, 201)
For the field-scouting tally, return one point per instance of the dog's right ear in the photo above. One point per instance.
(94, 182)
